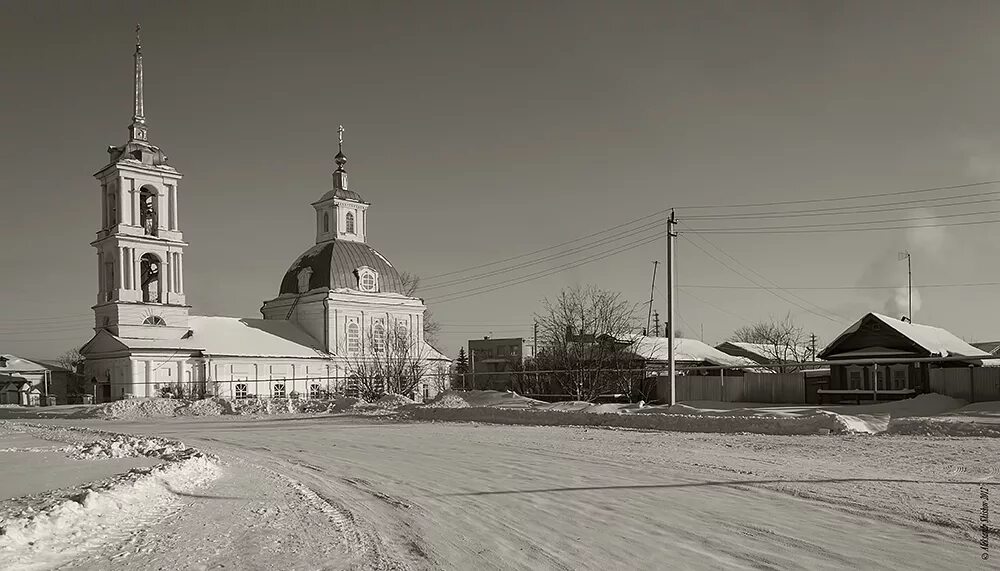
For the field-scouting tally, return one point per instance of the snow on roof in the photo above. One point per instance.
(19, 364)
(252, 337)
(685, 350)
(936, 341)
(769, 351)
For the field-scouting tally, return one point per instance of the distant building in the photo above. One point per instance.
(653, 352)
(991, 347)
(492, 360)
(780, 358)
(28, 382)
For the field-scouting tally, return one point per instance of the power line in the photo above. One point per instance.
(844, 224)
(716, 307)
(772, 290)
(834, 288)
(779, 230)
(853, 209)
(538, 275)
(601, 242)
(840, 198)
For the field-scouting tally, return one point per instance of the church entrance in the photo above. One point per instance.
(105, 392)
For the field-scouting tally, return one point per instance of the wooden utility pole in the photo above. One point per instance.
(671, 234)
(652, 287)
(656, 323)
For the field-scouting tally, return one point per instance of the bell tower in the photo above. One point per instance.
(140, 248)
(341, 214)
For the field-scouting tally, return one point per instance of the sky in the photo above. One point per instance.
(484, 131)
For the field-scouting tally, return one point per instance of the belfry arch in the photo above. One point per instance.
(149, 206)
(152, 290)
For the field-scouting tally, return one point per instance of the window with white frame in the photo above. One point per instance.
(278, 390)
(353, 338)
(378, 338)
(315, 391)
(349, 223)
(240, 391)
(367, 279)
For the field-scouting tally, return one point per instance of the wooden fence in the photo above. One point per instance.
(974, 384)
(787, 388)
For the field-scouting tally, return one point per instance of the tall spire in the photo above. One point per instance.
(137, 130)
(340, 175)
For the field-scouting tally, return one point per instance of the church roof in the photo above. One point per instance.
(341, 193)
(334, 265)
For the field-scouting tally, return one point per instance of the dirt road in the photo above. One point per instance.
(353, 493)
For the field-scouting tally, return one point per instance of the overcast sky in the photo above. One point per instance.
(481, 131)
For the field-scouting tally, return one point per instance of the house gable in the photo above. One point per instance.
(101, 343)
(870, 332)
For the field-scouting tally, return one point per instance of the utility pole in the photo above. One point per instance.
(656, 323)
(812, 346)
(534, 352)
(671, 234)
(909, 285)
(652, 287)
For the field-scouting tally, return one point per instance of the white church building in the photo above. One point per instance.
(335, 298)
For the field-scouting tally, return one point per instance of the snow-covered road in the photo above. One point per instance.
(343, 492)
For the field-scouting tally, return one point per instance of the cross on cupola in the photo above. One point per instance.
(137, 130)
(340, 175)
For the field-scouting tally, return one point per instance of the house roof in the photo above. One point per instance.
(935, 341)
(766, 353)
(991, 347)
(17, 364)
(333, 266)
(685, 351)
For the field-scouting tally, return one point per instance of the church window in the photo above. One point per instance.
(326, 222)
(353, 338)
(315, 391)
(378, 338)
(154, 320)
(150, 273)
(350, 223)
(367, 281)
(240, 391)
(148, 202)
(278, 390)
(113, 206)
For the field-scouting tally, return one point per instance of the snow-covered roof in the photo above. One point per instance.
(17, 364)
(236, 336)
(685, 350)
(936, 341)
(771, 352)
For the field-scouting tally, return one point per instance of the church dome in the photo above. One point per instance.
(341, 193)
(339, 264)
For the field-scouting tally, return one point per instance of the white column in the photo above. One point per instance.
(104, 206)
(126, 269)
(167, 274)
(123, 202)
(180, 272)
(120, 267)
(100, 276)
(135, 204)
(173, 207)
(135, 268)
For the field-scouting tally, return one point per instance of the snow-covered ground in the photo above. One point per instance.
(350, 492)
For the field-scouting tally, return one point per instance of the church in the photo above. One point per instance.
(340, 307)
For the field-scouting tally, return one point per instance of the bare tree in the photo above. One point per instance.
(72, 361)
(781, 342)
(586, 336)
(391, 362)
(411, 283)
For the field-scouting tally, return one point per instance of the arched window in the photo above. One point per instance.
(315, 391)
(150, 273)
(353, 338)
(278, 391)
(350, 223)
(240, 391)
(148, 206)
(326, 222)
(368, 281)
(154, 320)
(378, 338)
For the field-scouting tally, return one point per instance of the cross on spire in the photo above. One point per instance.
(137, 130)
(340, 175)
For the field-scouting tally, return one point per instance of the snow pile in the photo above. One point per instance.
(133, 409)
(447, 400)
(46, 539)
(212, 406)
(128, 446)
(392, 402)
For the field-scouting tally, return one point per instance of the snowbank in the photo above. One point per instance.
(926, 414)
(135, 409)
